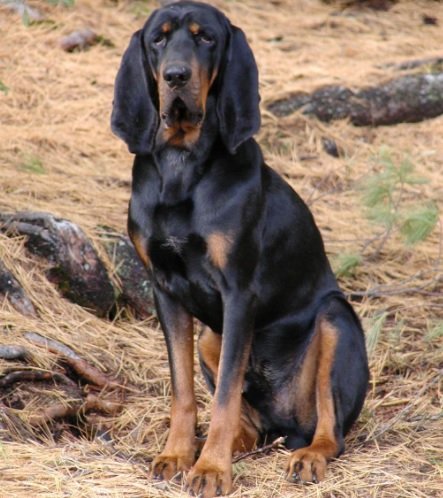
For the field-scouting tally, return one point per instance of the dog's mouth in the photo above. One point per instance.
(182, 115)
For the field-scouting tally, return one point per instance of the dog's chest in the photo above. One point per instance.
(166, 207)
(174, 243)
(182, 264)
(171, 238)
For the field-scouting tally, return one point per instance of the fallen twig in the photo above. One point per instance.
(260, 451)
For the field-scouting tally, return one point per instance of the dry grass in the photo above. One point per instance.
(58, 155)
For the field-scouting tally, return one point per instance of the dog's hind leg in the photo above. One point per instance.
(340, 370)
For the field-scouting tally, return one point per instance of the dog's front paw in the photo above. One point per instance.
(306, 465)
(206, 480)
(166, 467)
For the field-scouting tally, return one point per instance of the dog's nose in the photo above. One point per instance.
(177, 75)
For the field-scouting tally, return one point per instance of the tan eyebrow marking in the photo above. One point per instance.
(166, 27)
(194, 28)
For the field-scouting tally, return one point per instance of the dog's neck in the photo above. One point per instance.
(181, 169)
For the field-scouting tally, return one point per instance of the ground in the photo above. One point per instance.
(58, 155)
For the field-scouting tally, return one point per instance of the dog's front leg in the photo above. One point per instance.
(179, 452)
(212, 474)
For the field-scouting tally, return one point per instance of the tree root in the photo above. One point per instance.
(13, 352)
(83, 369)
(80, 398)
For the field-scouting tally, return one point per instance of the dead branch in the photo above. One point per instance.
(407, 99)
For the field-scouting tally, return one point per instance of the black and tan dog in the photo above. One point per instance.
(230, 243)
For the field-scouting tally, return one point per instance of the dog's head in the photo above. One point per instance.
(185, 52)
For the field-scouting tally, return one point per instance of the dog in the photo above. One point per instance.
(229, 242)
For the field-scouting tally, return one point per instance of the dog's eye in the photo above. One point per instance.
(159, 40)
(204, 38)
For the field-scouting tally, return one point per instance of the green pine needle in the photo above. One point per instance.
(419, 223)
(63, 3)
(3, 88)
(383, 196)
(374, 332)
(26, 19)
(346, 264)
(33, 164)
(435, 332)
(383, 215)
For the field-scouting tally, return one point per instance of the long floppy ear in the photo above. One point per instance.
(134, 115)
(238, 98)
